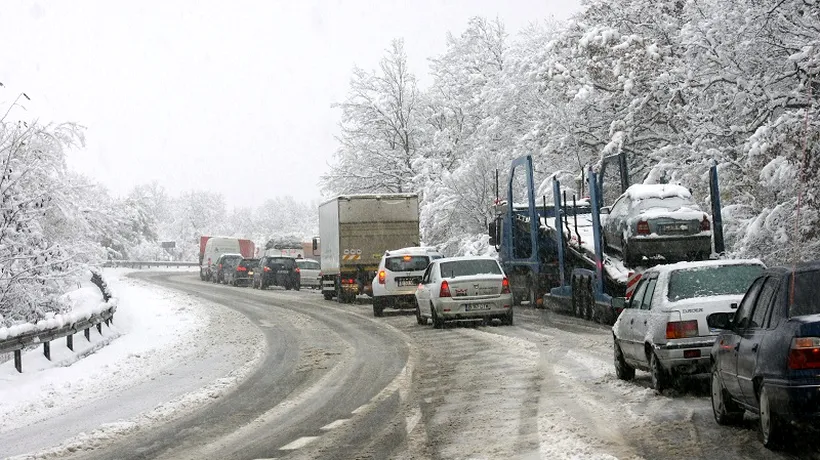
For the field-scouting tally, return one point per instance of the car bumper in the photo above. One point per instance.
(398, 300)
(800, 403)
(687, 356)
(670, 246)
(474, 308)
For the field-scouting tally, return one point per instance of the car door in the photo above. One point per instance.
(423, 290)
(625, 332)
(640, 323)
(729, 342)
(751, 337)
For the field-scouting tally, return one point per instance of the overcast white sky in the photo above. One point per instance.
(229, 96)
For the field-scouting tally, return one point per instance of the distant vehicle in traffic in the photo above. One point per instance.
(650, 220)
(398, 275)
(242, 274)
(277, 271)
(310, 273)
(225, 266)
(767, 357)
(464, 288)
(663, 327)
(211, 247)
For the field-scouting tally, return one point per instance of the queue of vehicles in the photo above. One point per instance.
(648, 265)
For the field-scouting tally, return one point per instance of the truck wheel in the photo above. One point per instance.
(574, 297)
(327, 295)
(590, 313)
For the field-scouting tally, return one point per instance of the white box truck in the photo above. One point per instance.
(354, 231)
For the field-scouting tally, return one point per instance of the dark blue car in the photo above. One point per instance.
(767, 358)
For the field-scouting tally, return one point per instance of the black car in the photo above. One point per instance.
(767, 358)
(242, 275)
(226, 263)
(277, 271)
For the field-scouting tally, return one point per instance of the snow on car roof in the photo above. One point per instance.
(458, 258)
(647, 191)
(705, 263)
(411, 251)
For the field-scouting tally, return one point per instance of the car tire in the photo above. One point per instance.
(327, 296)
(627, 254)
(508, 319)
(770, 427)
(420, 319)
(725, 410)
(660, 377)
(378, 307)
(437, 322)
(622, 369)
(296, 287)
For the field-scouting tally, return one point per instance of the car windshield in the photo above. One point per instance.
(711, 281)
(672, 203)
(470, 267)
(806, 294)
(406, 263)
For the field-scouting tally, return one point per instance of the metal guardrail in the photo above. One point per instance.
(18, 343)
(148, 263)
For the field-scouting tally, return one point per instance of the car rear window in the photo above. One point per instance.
(249, 263)
(672, 203)
(308, 264)
(711, 281)
(281, 262)
(458, 268)
(407, 263)
(806, 294)
(232, 260)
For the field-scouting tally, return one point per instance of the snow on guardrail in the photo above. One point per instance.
(87, 311)
(148, 263)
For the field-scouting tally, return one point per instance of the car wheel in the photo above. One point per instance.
(508, 319)
(622, 370)
(725, 410)
(660, 378)
(627, 254)
(327, 295)
(770, 426)
(378, 307)
(296, 287)
(420, 319)
(437, 322)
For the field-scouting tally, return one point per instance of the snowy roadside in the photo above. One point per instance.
(167, 353)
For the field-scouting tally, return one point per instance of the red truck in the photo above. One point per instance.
(211, 247)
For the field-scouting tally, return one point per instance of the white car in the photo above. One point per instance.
(310, 272)
(663, 327)
(398, 275)
(464, 288)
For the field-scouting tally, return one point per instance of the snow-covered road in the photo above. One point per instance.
(334, 382)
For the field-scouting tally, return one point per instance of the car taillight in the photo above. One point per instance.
(681, 329)
(505, 286)
(804, 353)
(241, 269)
(705, 225)
(220, 266)
(643, 228)
(381, 276)
(267, 269)
(445, 289)
(348, 281)
(297, 270)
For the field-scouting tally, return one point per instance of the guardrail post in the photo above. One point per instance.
(87, 333)
(69, 341)
(18, 360)
(47, 350)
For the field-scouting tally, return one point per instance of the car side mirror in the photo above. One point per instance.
(606, 210)
(720, 320)
(619, 303)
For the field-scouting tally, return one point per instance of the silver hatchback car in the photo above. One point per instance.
(464, 288)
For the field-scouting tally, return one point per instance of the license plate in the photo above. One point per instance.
(250, 273)
(675, 228)
(477, 306)
(407, 281)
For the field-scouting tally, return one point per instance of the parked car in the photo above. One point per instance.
(464, 288)
(310, 273)
(242, 274)
(663, 327)
(277, 271)
(398, 275)
(767, 357)
(657, 220)
(226, 263)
